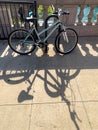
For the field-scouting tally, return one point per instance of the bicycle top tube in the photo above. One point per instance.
(54, 25)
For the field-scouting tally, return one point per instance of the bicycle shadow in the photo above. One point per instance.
(15, 70)
(60, 88)
(56, 89)
(19, 69)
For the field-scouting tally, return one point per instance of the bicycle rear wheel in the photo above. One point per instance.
(66, 41)
(18, 44)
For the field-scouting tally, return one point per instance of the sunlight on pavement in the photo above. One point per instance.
(5, 53)
(81, 50)
(91, 50)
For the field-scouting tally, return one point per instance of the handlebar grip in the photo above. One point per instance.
(56, 12)
(66, 13)
(62, 13)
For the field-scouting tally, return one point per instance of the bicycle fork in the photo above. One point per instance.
(65, 36)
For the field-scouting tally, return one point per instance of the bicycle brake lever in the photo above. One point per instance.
(66, 12)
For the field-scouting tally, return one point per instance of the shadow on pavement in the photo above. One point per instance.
(58, 71)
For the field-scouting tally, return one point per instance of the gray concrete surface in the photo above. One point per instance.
(50, 91)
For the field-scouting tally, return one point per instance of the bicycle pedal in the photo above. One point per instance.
(41, 45)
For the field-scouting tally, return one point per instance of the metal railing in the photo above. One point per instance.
(9, 19)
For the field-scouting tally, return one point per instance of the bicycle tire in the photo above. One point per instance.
(15, 41)
(66, 41)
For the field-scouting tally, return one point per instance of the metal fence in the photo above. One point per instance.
(9, 19)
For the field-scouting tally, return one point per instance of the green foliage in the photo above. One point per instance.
(40, 9)
(14, 20)
(50, 10)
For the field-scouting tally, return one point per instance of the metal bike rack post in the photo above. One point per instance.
(46, 22)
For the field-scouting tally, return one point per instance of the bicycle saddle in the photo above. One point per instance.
(30, 19)
(27, 19)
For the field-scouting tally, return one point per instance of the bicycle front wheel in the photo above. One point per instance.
(66, 41)
(21, 41)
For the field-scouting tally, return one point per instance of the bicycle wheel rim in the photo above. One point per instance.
(66, 41)
(17, 43)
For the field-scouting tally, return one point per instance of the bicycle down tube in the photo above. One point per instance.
(54, 26)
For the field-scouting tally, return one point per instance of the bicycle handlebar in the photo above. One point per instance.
(61, 13)
(65, 13)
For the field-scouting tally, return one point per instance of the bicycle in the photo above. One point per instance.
(24, 41)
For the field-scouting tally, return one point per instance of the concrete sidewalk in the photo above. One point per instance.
(50, 91)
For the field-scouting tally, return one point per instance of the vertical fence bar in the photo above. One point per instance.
(1, 25)
(3, 20)
(9, 19)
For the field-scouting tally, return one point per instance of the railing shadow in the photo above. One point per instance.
(19, 68)
(16, 69)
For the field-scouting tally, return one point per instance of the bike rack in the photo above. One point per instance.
(46, 22)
